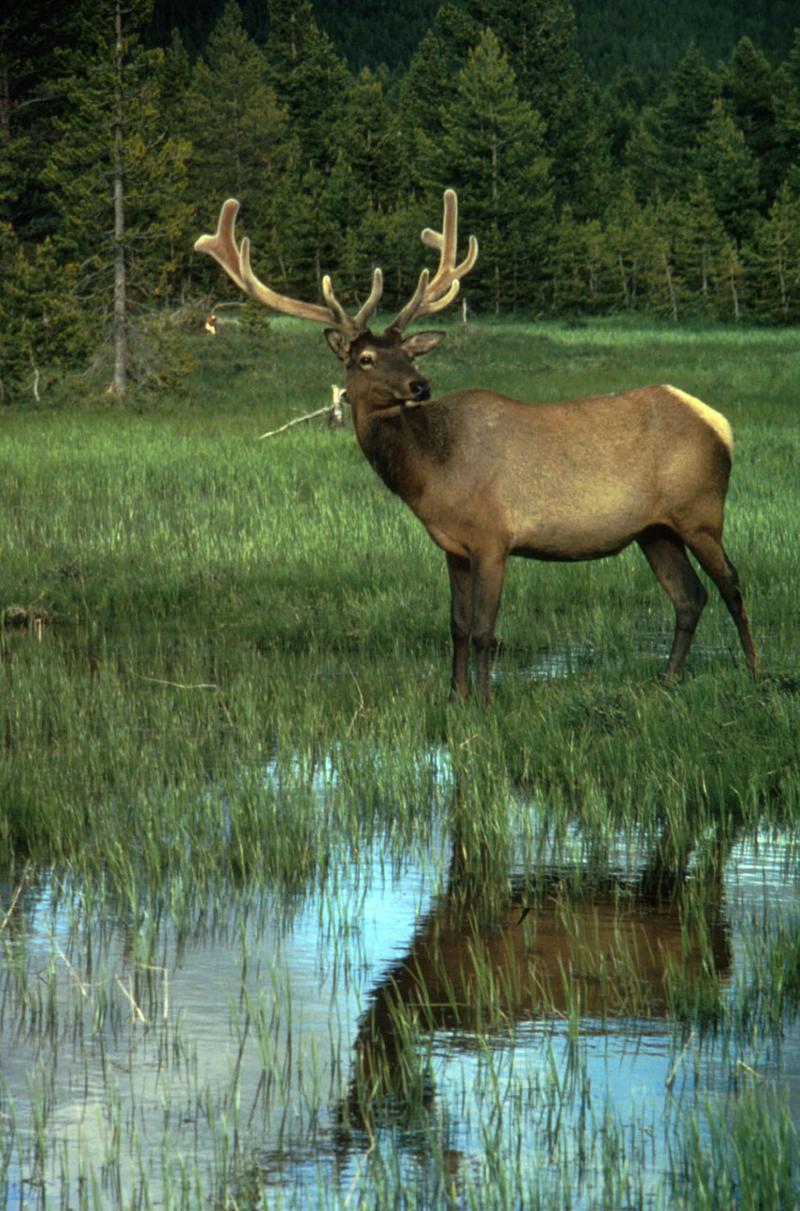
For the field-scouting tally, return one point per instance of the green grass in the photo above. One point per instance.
(239, 687)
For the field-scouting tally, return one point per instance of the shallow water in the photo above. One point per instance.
(146, 1065)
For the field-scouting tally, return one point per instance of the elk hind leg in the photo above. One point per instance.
(667, 557)
(710, 553)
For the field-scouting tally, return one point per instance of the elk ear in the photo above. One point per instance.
(422, 342)
(338, 343)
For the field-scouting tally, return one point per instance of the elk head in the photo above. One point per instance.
(380, 368)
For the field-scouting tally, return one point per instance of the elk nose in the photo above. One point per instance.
(420, 389)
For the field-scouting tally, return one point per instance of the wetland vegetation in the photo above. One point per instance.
(282, 928)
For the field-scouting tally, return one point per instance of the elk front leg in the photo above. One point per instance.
(488, 575)
(460, 574)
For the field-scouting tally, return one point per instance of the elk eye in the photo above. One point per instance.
(366, 359)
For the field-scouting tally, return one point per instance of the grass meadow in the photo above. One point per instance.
(282, 927)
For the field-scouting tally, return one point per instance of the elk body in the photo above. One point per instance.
(489, 476)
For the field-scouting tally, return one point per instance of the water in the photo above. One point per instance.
(144, 1064)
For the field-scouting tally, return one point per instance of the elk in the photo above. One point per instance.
(489, 476)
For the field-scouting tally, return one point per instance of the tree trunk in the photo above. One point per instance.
(673, 300)
(495, 194)
(626, 294)
(782, 283)
(119, 385)
(732, 268)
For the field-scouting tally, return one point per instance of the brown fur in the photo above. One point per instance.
(489, 476)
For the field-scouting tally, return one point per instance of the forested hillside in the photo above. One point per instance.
(610, 34)
(595, 181)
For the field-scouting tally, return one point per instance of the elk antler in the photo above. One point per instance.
(236, 263)
(436, 293)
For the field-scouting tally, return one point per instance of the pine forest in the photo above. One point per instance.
(603, 168)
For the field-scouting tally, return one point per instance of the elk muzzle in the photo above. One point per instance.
(419, 390)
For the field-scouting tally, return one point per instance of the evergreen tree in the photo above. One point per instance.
(372, 142)
(701, 252)
(174, 80)
(686, 109)
(773, 261)
(312, 210)
(42, 329)
(242, 145)
(116, 183)
(492, 152)
(787, 116)
(629, 236)
(538, 37)
(582, 265)
(431, 75)
(749, 93)
(31, 35)
(667, 259)
(310, 80)
(621, 103)
(730, 172)
(664, 144)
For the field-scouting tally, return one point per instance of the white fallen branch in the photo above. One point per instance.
(332, 410)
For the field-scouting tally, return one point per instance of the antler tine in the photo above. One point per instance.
(366, 312)
(236, 263)
(262, 293)
(434, 294)
(446, 243)
(414, 304)
(343, 320)
(222, 244)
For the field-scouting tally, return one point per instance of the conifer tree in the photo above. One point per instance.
(582, 266)
(665, 141)
(431, 74)
(242, 146)
(787, 115)
(538, 37)
(749, 93)
(730, 171)
(42, 329)
(309, 79)
(701, 252)
(492, 152)
(629, 235)
(32, 35)
(773, 261)
(372, 142)
(174, 80)
(621, 103)
(116, 183)
(312, 84)
(665, 289)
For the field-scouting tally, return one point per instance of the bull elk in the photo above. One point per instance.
(490, 477)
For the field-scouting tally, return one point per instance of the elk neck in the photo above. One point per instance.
(405, 442)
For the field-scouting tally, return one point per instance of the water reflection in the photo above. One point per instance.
(480, 966)
(411, 1003)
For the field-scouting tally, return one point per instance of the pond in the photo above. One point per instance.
(398, 1034)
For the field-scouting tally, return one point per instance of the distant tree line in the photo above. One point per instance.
(677, 195)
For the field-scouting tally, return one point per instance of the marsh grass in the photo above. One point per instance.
(234, 706)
